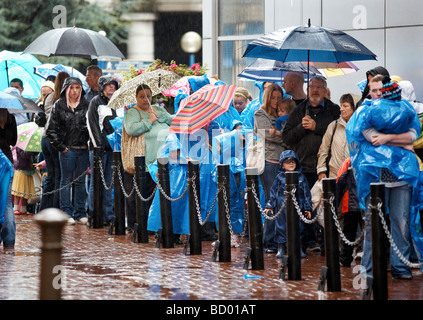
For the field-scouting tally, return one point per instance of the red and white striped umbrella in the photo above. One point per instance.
(203, 106)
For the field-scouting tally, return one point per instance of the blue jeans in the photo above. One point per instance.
(108, 203)
(52, 180)
(269, 230)
(72, 164)
(398, 200)
(8, 231)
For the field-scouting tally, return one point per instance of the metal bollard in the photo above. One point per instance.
(165, 204)
(224, 233)
(98, 189)
(51, 222)
(141, 206)
(293, 229)
(379, 244)
(254, 220)
(119, 201)
(331, 237)
(194, 224)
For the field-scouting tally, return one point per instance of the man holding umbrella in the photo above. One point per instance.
(306, 125)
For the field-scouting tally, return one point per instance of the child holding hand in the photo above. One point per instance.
(289, 162)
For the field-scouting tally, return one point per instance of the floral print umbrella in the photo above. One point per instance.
(29, 137)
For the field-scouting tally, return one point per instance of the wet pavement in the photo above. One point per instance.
(99, 266)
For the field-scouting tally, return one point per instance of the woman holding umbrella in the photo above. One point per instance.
(68, 133)
(153, 122)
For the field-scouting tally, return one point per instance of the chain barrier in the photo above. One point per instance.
(338, 226)
(391, 240)
(104, 179)
(53, 191)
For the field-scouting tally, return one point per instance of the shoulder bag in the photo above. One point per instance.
(131, 146)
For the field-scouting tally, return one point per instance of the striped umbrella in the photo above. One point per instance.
(206, 104)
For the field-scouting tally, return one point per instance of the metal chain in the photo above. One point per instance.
(139, 193)
(122, 187)
(103, 178)
(53, 191)
(170, 198)
(389, 236)
(338, 226)
(256, 198)
(197, 203)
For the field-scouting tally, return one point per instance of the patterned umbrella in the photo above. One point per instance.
(203, 106)
(158, 80)
(329, 69)
(29, 137)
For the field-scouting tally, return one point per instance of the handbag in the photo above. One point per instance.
(330, 149)
(256, 155)
(38, 185)
(131, 146)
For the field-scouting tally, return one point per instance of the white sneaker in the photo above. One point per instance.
(71, 221)
(83, 220)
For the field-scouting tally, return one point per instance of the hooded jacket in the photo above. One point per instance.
(277, 192)
(371, 72)
(99, 116)
(67, 127)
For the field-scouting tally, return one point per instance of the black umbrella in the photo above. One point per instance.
(74, 42)
(308, 43)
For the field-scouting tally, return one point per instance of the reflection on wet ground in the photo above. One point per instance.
(100, 266)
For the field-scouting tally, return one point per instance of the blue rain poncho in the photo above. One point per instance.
(6, 174)
(231, 153)
(385, 116)
(178, 174)
(115, 137)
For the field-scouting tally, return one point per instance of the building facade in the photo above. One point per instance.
(392, 29)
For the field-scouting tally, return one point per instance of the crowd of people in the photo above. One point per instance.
(299, 130)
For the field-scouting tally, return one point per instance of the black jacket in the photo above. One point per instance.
(68, 128)
(306, 143)
(99, 116)
(8, 136)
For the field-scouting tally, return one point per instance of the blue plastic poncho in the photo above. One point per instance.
(115, 137)
(6, 174)
(385, 116)
(227, 149)
(178, 174)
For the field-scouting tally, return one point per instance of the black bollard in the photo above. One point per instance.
(119, 198)
(293, 229)
(254, 220)
(331, 237)
(165, 205)
(51, 222)
(379, 244)
(141, 206)
(224, 233)
(98, 189)
(194, 223)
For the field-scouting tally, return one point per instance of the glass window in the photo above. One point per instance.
(231, 64)
(241, 17)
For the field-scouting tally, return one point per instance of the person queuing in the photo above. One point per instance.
(303, 133)
(68, 133)
(98, 122)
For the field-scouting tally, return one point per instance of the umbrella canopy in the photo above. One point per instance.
(17, 65)
(201, 107)
(50, 69)
(74, 42)
(308, 43)
(329, 69)
(18, 104)
(158, 80)
(273, 70)
(29, 137)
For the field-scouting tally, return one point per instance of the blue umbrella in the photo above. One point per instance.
(308, 43)
(17, 65)
(273, 70)
(18, 104)
(49, 69)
